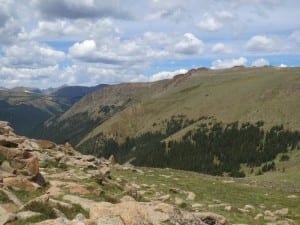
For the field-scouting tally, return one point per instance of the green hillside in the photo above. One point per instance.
(210, 121)
(238, 94)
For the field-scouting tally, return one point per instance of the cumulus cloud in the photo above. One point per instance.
(282, 66)
(228, 63)
(189, 45)
(262, 43)
(29, 77)
(221, 49)
(82, 9)
(66, 29)
(260, 63)
(166, 74)
(113, 51)
(209, 23)
(83, 49)
(91, 41)
(31, 54)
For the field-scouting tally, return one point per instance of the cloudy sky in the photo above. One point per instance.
(48, 43)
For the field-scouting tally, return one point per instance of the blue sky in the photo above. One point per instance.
(49, 43)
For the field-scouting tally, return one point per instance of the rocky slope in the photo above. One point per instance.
(45, 183)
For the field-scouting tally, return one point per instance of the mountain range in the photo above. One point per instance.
(224, 118)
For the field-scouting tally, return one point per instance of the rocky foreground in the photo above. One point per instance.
(44, 183)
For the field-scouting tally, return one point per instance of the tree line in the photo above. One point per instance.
(212, 148)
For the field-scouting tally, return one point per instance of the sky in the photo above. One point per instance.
(50, 43)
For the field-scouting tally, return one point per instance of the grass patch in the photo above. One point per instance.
(70, 213)
(25, 196)
(211, 191)
(43, 208)
(4, 198)
(53, 164)
(34, 219)
(2, 158)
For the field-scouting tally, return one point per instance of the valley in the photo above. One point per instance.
(58, 185)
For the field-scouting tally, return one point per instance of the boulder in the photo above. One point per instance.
(10, 153)
(5, 128)
(44, 144)
(20, 183)
(26, 215)
(282, 212)
(86, 204)
(178, 201)
(112, 160)
(5, 216)
(191, 196)
(5, 166)
(208, 217)
(135, 213)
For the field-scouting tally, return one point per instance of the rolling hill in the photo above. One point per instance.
(237, 94)
(209, 121)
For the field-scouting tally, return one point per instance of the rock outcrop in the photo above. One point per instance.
(75, 184)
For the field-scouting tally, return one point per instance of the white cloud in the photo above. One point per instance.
(82, 9)
(282, 66)
(224, 15)
(221, 49)
(262, 43)
(228, 63)
(260, 63)
(39, 77)
(66, 29)
(166, 74)
(31, 54)
(83, 49)
(209, 23)
(190, 45)
(295, 36)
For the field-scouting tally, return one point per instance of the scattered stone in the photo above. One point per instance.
(292, 196)
(78, 189)
(217, 205)
(268, 213)
(228, 181)
(127, 198)
(197, 206)
(191, 196)
(112, 160)
(243, 210)
(26, 215)
(86, 204)
(283, 222)
(228, 207)
(20, 183)
(174, 190)
(5, 216)
(249, 207)
(164, 198)
(105, 171)
(178, 201)
(258, 216)
(282, 212)
(212, 217)
(45, 144)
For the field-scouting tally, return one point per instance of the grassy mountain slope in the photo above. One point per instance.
(243, 94)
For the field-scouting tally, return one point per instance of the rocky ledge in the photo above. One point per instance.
(45, 183)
